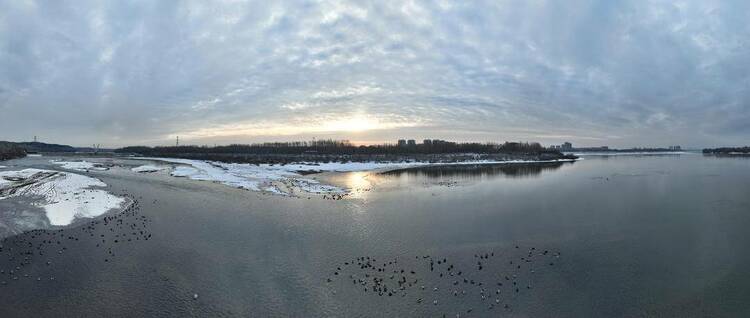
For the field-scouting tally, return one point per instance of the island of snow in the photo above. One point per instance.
(65, 196)
(80, 165)
(148, 168)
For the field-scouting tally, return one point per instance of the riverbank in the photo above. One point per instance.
(293, 179)
(10, 151)
(322, 158)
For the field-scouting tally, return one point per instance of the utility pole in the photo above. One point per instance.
(177, 143)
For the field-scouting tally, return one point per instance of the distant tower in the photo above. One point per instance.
(177, 143)
(34, 138)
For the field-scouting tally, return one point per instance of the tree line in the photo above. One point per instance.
(725, 150)
(9, 150)
(344, 147)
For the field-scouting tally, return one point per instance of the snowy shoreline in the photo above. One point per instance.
(639, 153)
(65, 196)
(284, 179)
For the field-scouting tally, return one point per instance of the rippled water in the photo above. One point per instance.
(638, 236)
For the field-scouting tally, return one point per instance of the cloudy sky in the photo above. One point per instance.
(619, 73)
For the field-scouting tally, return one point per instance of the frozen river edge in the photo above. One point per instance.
(290, 179)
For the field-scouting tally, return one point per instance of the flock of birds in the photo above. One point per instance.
(489, 280)
(349, 193)
(335, 196)
(19, 253)
(443, 183)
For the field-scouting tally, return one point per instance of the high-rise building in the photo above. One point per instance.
(402, 142)
(427, 142)
(411, 142)
(566, 146)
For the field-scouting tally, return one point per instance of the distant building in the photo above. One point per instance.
(402, 142)
(427, 142)
(675, 148)
(411, 142)
(566, 146)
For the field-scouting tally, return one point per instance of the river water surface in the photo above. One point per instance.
(637, 236)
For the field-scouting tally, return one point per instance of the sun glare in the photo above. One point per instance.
(351, 124)
(355, 124)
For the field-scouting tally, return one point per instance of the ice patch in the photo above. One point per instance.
(148, 168)
(183, 171)
(80, 165)
(66, 196)
(275, 190)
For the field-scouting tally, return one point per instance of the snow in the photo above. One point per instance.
(234, 175)
(266, 177)
(635, 153)
(372, 166)
(314, 186)
(148, 168)
(244, 176)
(275, 190)
(79, 165)
(66, 196)
(343, 167)
(183, 171)
(5, 177)
(3, 167)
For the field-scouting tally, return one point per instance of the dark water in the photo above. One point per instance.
(638, 236)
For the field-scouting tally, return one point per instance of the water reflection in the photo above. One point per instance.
(727, 155)
(477, 171)
(359, 184)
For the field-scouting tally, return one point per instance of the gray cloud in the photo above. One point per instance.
(592, 72)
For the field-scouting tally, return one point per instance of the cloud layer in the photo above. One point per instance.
(593, 72)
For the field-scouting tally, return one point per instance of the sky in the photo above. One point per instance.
(617, 73)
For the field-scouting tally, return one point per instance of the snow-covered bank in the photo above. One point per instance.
(65, 196)
(640, 153)
(79, 165)
(243, 176)
(148, 168)
(284, 179)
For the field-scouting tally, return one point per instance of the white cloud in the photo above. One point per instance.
(124, 72)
